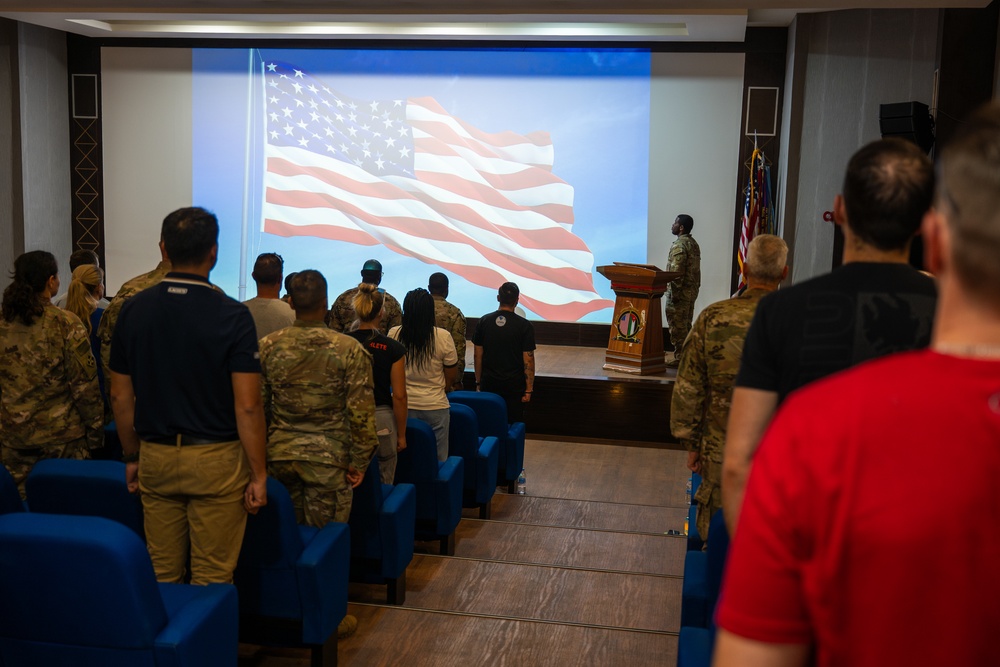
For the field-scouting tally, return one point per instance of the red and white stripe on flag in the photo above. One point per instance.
(483, 206)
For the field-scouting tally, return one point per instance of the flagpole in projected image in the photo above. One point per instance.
(245, 228)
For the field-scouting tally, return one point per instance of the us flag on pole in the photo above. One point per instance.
(406, 174)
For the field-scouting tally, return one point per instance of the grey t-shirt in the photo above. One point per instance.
(269, 315)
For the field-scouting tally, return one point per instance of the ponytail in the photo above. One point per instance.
(81, 299)
(368, 301)
(22, 298)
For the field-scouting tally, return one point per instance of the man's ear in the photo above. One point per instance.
(784, 274)
(937, 241)
(839, 211)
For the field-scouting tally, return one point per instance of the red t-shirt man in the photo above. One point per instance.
(871, 526)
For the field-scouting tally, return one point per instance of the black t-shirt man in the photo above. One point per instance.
(857, 312)
(504, 337)
(180, 341)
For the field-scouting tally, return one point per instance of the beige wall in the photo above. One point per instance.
(841, 67)
(35, 197)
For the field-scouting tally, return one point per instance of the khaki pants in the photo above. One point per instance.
(192, 498)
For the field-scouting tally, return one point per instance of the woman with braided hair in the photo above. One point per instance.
(431, 365)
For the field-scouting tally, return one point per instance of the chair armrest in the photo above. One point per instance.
(202, 631)
(397, 520)
(515, 451)
(451, 484)
(449, 469)
(489, 455)
(322, 571)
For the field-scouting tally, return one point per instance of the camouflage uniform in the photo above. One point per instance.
(320, 406)
(110, 317)
(699, 408)
(341, 316)
(450, 318)
(50, 401)
(685, 257)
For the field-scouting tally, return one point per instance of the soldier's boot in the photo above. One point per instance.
(347, 627)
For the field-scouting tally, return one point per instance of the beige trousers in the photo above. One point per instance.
(192, 500)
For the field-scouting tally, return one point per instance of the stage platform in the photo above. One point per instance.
(575, 398)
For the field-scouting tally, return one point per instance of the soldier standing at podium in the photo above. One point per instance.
(685, 258)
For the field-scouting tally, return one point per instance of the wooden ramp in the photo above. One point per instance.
(577, 572)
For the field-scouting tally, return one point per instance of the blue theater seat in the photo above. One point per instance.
(694, 591)
(694, 541)
(491, 411)
(292, 579)
(80, 590)
(383, 520)
(84, 488)
(705, 569)
(438, 485)
(481, 456)
(10, 498)
(694, 647)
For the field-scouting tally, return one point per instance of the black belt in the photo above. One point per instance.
(184, 440)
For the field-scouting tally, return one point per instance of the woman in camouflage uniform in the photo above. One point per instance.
(50, 403)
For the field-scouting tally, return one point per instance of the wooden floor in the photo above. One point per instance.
(577, 572)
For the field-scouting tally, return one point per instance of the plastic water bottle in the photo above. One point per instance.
(687, 492)
(521, 483)
(686, 525)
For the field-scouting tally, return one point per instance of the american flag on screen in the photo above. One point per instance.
(405, 174)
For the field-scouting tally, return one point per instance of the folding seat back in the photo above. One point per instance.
(80, 590)
(491, 412)
(383, 522)
(84, 488)
(438, 485)
(481, 456)
(265, 574)
(292, 579)
(10, 498)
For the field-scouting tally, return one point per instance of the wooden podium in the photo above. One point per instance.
(636, 341)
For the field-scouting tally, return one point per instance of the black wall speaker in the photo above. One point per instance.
(907, 120)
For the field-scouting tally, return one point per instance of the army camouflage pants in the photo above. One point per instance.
(679, 317)
(708, 497)
(320, 493)
(19, 462)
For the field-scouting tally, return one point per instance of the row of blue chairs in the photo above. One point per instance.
(79, 589)
(700, 591)
(292, 580)
(484, 451)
